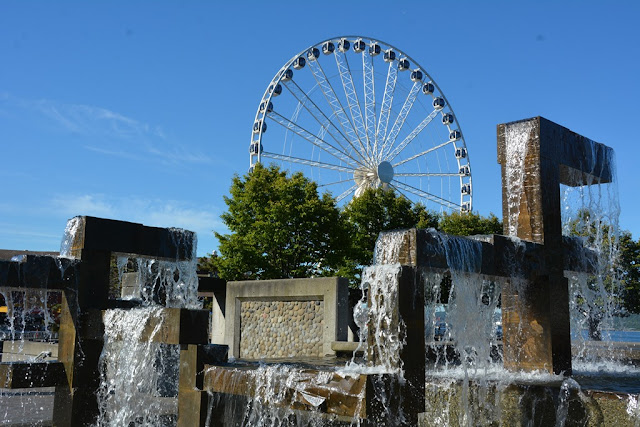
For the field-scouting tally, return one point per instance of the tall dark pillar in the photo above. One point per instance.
(550, 155)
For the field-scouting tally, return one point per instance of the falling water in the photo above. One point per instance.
(472, 301)
(518, 134)
(469, 330)
(70, 233)
(162, 282)
(275, 392)
(138, 374)
(591, 212)
(271, 392)
(28, 331)
(387, 329)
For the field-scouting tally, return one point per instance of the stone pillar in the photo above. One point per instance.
(81, 341)
(537, 156)
(92, 242)
(193, 400)
(408, 396)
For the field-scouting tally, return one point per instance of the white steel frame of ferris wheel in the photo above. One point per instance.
(360, 140)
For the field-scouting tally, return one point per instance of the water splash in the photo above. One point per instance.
(518, 134)
(385, 328)
(166, 283)
(69, 236)
(471, 301)
(388, 246)
(138, 378)
(138, 374)
(273, 396)
(591, 212)
(633, 409)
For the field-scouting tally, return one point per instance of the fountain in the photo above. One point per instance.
(106, 343)
(139, 354)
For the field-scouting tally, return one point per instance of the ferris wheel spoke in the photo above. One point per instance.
(336, 105)
(421, 193)
(352, 98)
(346, 193)
(335, 182)
(427, 174)
(369, 100)
(387, 101)
(424, 153)
(314, 139)
(402, 116)
(411, 136)
(315, 111)
(307, 162)
(398, 190)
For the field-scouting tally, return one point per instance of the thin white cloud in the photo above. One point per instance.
(90, 205)
(12, 230)
(151, 212)
(118, 153)
(52, 112)
(108, 132)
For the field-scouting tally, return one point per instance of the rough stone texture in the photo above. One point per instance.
(451, 402)
(271, 329)
(332, 291)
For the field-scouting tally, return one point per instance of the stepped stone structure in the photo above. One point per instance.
(302, 318)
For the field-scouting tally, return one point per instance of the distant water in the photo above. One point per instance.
(617, 336)
(624, 336)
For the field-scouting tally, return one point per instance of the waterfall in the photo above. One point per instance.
(138, 374)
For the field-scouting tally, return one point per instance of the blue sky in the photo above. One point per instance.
(142, 111)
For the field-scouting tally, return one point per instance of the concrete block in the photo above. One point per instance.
(332, 291)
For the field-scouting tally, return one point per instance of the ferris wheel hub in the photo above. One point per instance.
(374, 176)
(385, 172)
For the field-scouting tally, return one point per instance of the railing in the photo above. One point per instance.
(40, 336)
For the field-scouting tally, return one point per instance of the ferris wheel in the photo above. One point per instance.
(354, 113)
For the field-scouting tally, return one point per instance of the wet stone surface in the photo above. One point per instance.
(272, 329)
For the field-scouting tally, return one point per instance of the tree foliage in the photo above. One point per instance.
(209, 264)
(378, 210)
(615, 288)
(374, 211)
(469, 224)
(280, 228)
(629, 262)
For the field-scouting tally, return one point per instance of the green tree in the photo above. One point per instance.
(613, 289)
(374, 211)
(465, 224)
(209, 264)
(280, 228)
(469, 224)
(629, 263)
